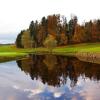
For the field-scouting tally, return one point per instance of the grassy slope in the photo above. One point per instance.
(86, 47)
(12, 51)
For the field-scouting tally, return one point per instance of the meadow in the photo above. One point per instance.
(11, 50)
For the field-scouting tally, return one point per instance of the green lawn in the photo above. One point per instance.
(86, 47)
(12, 51)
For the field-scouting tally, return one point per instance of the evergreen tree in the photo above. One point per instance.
(19, 40)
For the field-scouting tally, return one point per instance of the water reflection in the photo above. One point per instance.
(49, 77)
(56, 70)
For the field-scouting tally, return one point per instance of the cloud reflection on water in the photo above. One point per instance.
(15, 84)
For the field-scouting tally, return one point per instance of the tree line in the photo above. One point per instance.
(56, 30)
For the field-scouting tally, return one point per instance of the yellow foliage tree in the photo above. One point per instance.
(26, 39)
(50, 42)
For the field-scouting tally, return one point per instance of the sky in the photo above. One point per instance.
(15, 15)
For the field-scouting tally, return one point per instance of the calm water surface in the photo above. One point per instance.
(49, 77)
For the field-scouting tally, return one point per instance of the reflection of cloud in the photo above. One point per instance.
(11, 98)
(59, 91)
(57, 94)
(15, 87)
(42, 90)
(74, 98)
(22, 89)
(91, 90)
(84, 90)
(33, 92)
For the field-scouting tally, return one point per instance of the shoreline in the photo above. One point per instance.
(89, 52)
(83, 56)
(89, 57)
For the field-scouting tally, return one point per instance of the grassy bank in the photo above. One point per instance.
(79, 48)
(12, 51)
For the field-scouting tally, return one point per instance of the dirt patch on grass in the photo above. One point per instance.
(89, 57)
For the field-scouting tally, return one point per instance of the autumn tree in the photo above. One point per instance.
(88, 30)
(79, 35)
(42, 31)
(53, 22)
(26, 39)
(96, 31)
(56, 28)
(50, 42)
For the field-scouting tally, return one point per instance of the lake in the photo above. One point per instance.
(49, 77)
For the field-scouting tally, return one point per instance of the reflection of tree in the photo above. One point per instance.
(50, 61)
(72, 75)
(54, 70)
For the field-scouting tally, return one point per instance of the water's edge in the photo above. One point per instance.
(83, 56)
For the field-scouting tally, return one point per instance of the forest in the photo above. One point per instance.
(55, 30)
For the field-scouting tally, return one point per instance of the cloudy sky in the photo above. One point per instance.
(16, 15)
